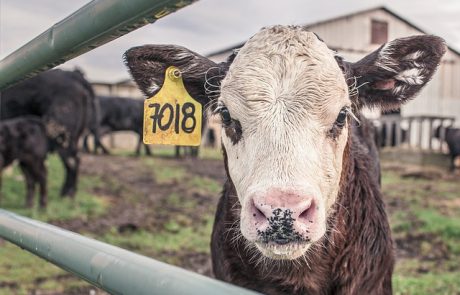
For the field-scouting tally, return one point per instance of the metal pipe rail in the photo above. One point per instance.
(93, 25)
(113, 269)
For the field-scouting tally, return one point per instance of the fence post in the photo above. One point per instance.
(110, 268)
(93, 25)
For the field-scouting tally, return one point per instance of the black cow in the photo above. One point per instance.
(452, 138)
(117, 114)
(381, 136)
(24, 139)
(65, 102)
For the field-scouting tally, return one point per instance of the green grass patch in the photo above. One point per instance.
(400, 222)
(448, 228)
(390, 177)
(179, 202)
(85, 204)
(169, 174)
(23, 272)
(205, 185)
(173, 238)
(430, 283)
(211, 153)
(425, 209)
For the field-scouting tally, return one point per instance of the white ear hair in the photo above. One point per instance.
(397, 71)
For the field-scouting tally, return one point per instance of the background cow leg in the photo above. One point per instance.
(98, 134)
(452, 163)
(85, 144)
(30, 183)
(194, 151)
(177, 154)
(138, 146)
(1, 170)
(71, 163)
(148, 152)
(40, 175)
(1, 185)
(98, 144)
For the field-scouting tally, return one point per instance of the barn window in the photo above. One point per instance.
(379, 32)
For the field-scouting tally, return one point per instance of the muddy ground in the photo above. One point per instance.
(141, 202)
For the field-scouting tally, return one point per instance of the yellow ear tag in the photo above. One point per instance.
(172, 116)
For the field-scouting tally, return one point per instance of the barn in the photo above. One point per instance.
(124, 88)
(357, 34)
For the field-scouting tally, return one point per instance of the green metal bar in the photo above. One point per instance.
(113, 269)
(93, 25)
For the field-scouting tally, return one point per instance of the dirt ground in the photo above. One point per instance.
(135, 203)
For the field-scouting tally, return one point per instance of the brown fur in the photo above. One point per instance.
(355, 256)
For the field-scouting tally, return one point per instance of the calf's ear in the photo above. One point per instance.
(147, 65)
(395, 72)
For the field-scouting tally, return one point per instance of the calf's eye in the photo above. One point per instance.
(342, 117)
(225, 116)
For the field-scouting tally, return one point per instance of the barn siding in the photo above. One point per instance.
(352, 36)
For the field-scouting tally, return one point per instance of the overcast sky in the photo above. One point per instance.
(209, 25)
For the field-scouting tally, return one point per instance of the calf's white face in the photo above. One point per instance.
(284, 104)
(287, 99)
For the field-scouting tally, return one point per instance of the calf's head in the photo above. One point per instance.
(286, 103)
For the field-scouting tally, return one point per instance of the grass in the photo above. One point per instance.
(26, 272)
(23, 271)
(431, 229)
(169, 175)
(447, 228)
(204, 185)
(431, 283)
(172, 238)
(84, 206)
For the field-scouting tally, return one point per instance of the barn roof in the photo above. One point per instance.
(348, 15)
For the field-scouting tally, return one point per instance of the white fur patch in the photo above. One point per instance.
(183, 55)
(398, 91)
(153, 87)
(413, 56)
(411, 76)
(385, 61)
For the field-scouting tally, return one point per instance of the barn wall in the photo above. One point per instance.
(123, 90)
(352, 37)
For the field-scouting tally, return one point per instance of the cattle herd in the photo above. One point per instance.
(49, 113)
(301, 211)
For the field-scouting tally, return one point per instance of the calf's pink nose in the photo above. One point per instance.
(300, 208)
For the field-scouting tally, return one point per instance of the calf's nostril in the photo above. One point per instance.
(307, 213)
(281, 241)
(257, 212)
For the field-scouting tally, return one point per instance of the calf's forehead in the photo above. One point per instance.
(288, 66)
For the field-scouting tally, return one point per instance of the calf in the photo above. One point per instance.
(64, 100)
(24, 139)
(452, 138)
(301, 211)
(119, 114)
